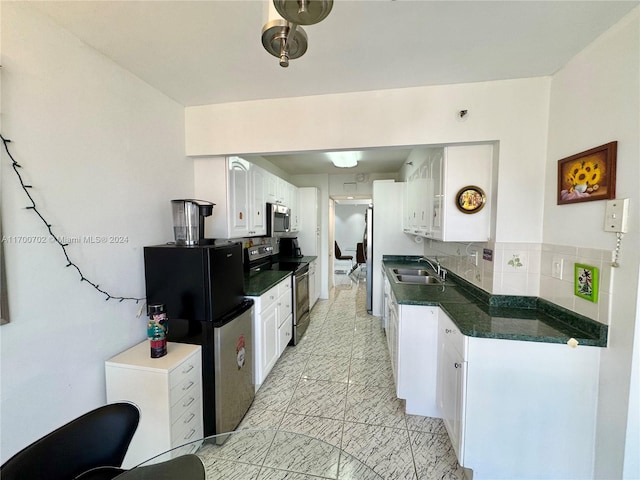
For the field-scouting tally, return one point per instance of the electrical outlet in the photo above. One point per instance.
(556, 267)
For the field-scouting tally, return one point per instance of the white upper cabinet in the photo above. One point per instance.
(241, 191)
(258, 202)
(434, 186)
(238, 196)
(294, 205)
(463, 167)
(237, 188)
(271, 188)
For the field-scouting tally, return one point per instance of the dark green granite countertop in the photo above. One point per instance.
(255, 284)
(480, 314)
(305, 259)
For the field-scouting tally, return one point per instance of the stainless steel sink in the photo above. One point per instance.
(410, 271)
(418, 279)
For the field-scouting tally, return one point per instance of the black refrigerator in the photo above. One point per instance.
(202, 287)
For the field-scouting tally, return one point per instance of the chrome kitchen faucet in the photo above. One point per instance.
(441, 272)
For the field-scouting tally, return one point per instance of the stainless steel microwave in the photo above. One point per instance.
(278, 220)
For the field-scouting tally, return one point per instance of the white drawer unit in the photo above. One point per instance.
(168, 392)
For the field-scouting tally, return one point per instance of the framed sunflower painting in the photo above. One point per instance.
(587, 176)
(586, 282)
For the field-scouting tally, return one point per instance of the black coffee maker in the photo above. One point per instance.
(289, 247)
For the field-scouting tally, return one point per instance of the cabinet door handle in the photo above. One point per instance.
(457, 365)
(191, 417)
(189, 368)
(190, 434)
(187, 386)
(191, 400)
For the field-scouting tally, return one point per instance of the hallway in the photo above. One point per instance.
(337, 385)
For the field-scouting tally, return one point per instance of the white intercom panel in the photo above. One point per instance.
(616, 215)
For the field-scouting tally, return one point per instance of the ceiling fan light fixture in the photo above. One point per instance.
(282, 35)
(303, 12)
(281, 41)
(344, 159)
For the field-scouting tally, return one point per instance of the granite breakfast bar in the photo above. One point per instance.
(480, 314)
(515, 379)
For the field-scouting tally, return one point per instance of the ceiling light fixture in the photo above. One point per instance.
(344, 159)
(282, 36)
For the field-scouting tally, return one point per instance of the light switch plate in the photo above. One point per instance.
(616, 214)
(557, 265)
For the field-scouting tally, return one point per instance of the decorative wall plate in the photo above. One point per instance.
(470, 199)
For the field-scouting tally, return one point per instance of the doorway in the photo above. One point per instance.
(349, 225)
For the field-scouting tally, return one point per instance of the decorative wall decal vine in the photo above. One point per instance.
(515, 262)
(15, 165)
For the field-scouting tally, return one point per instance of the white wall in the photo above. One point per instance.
(349, 223)
(513, 112)
(351, 185)
(595, 100)
(105, 154)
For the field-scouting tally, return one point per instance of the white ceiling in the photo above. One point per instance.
(210, 51)
(375, 160)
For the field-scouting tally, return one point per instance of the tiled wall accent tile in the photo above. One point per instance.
(526, 269)
(552, 289)
(561, 290)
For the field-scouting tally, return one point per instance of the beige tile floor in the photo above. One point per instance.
(336, 385)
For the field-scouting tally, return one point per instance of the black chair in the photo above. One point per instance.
(339, 256)
(361, 256)
(92, 446)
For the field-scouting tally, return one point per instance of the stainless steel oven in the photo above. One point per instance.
(265, 257)
(301, 316)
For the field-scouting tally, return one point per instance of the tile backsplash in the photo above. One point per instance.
(529, 269)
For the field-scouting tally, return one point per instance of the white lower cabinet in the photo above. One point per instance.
(168, 392)
(314, 283)
(392, 335)
(386, 295)
(267, 352)
(517, 409)
(272, 326)
(412, 335)
(285, 314)
(451, 381)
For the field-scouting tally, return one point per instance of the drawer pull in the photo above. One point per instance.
(188, 386)
(190, 434)
(457, 365)
(191, 417)
(191, 367)
(191, 400)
